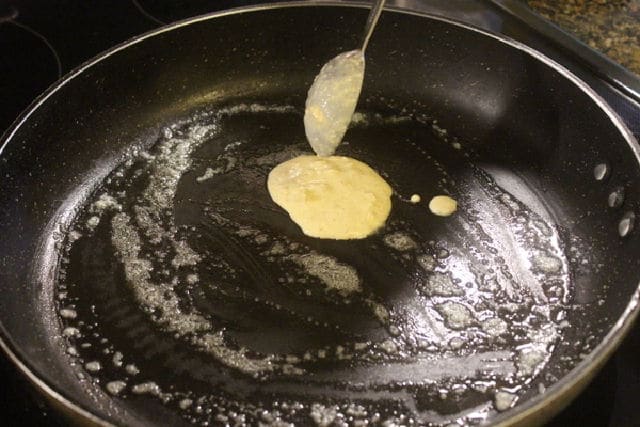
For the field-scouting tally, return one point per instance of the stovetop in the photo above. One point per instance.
(42, 40)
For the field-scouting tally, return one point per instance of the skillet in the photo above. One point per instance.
(168, 139)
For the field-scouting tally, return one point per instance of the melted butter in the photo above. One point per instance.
(331, 197)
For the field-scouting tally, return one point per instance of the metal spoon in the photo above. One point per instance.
(372, 20)
(333, 96)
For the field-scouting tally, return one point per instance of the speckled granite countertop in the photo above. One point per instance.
(610, 26)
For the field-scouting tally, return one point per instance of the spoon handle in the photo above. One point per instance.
(372, 20)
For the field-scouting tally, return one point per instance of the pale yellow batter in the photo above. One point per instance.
(332, 100)
(331, 197)
(443, 205)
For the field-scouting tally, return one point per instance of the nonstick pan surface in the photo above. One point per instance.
(153, 281)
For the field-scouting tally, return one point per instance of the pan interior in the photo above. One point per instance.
(183, 294)
(184, 285)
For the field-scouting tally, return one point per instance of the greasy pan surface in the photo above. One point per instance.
(152, 280)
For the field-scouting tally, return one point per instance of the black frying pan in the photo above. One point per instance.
(149, 279)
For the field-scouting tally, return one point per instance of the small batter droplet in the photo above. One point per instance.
(443, 205)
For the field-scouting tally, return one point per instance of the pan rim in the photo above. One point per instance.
(579, 375)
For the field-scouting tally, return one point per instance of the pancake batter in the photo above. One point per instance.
(332, 100)
(443, 205)
(331, 197)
